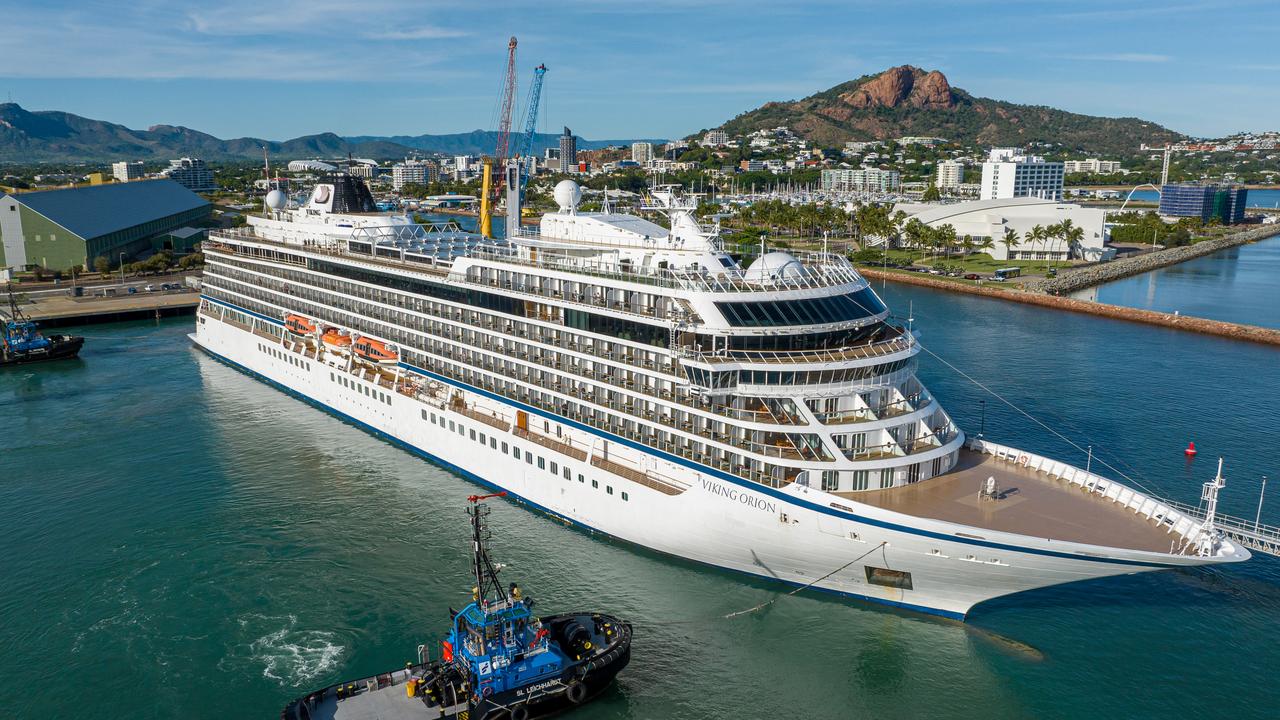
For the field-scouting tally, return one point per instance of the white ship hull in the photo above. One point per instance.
(790, 534)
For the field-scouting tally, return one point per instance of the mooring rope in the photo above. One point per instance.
(767, 603)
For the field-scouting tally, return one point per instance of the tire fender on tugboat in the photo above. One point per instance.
(520, 712)
(576, 692)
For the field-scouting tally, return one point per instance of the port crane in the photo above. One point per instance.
(492, 190)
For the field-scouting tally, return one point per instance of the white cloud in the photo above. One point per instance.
(1120, 57)
(426, 32)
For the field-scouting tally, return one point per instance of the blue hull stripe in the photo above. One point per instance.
(525, 501)
(714, 472)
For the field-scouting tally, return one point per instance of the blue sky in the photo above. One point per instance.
(659, 68)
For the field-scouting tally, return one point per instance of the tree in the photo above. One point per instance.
(101, 264)
(931, 194)
(1010, 241)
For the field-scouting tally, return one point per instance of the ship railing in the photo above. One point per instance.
(858, 352)
(564, 446)
(639, 477)
(834, 270)
(1252, 534)
(883, 411)
(1187, 525)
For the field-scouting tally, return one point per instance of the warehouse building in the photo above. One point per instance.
(58, 229)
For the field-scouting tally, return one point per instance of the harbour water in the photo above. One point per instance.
(1234, 285)
(181, 540)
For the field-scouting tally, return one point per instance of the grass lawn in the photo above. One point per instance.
(980, 263)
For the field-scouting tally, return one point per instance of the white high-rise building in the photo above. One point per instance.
(715, 138)
(872, 180)
(1092, 165)
(1008, 173)
(190, 173)
(419, 172)
(125, 171)
(642, 152)
(950, 174)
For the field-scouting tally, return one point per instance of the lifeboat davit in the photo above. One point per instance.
(335, 340)
(375, 351)
(299, 325)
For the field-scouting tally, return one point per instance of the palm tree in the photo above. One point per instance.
(1010, 241)
(1073, 235)
(985, 243)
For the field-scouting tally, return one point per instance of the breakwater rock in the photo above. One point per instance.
(1069, 281)
(1235, 331)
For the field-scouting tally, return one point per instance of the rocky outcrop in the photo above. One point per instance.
(902, 85)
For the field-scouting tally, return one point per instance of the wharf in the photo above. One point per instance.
(1204, 326)
(59, 310)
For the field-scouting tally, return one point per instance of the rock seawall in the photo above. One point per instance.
(1072, 280)
(1250, 333)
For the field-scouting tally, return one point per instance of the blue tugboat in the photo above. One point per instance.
(21, 342)
(499, 662)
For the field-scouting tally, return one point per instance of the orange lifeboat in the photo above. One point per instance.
(335, 340)
(375, 351)
(299, 325)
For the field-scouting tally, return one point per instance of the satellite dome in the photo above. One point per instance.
(774, 266)
(568, 194)
(276, 200)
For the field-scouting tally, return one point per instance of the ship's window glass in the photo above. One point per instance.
(473, 436)
(433, 417)
(625, 497)
(807, 311)
(528, 457)
(830, 480)
(542, 463)
(861, 478)
(451, 426)
(515, 452)
(504, 448)
(580, 478)
(886, 479)
(608, 489)
(483, 439)
(493, 443)
(567, 474)
(555, 468)
(595, 483)
(888, 578)
(460, 431)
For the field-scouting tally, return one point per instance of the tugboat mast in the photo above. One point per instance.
(485, 571)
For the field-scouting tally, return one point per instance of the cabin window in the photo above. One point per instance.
(581, 479)
(861, 479)
(595, 484)
(830, 480)
(528, 457)
(493, 443)
(608, 489)
(542, 463)
(451, 426)
(473, 436)
(625, 497)
(555, 468)
(885, 577)
(567, 474)
(504, 448)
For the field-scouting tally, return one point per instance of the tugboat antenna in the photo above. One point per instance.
(486, 573)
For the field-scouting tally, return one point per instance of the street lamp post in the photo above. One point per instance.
(122, 268)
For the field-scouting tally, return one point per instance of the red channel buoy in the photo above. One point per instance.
(1191, 450)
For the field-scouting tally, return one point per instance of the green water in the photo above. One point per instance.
(181, 540)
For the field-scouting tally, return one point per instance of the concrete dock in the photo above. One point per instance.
(56, 310)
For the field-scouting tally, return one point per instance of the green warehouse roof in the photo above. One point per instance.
(99, 210)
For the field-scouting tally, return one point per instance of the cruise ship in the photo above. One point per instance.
(634, 379)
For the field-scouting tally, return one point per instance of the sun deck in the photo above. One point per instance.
(1029, 503)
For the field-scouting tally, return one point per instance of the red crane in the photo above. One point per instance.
(503, 150)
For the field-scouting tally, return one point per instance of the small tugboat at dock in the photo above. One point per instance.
(499, 662)
(21, 342)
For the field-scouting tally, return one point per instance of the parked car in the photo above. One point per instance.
(149, 288)
(973, 276)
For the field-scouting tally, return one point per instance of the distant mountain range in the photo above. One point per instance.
(479, 142)
(53, 136)
(906, 100)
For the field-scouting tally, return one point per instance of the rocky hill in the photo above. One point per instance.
(907, 100)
